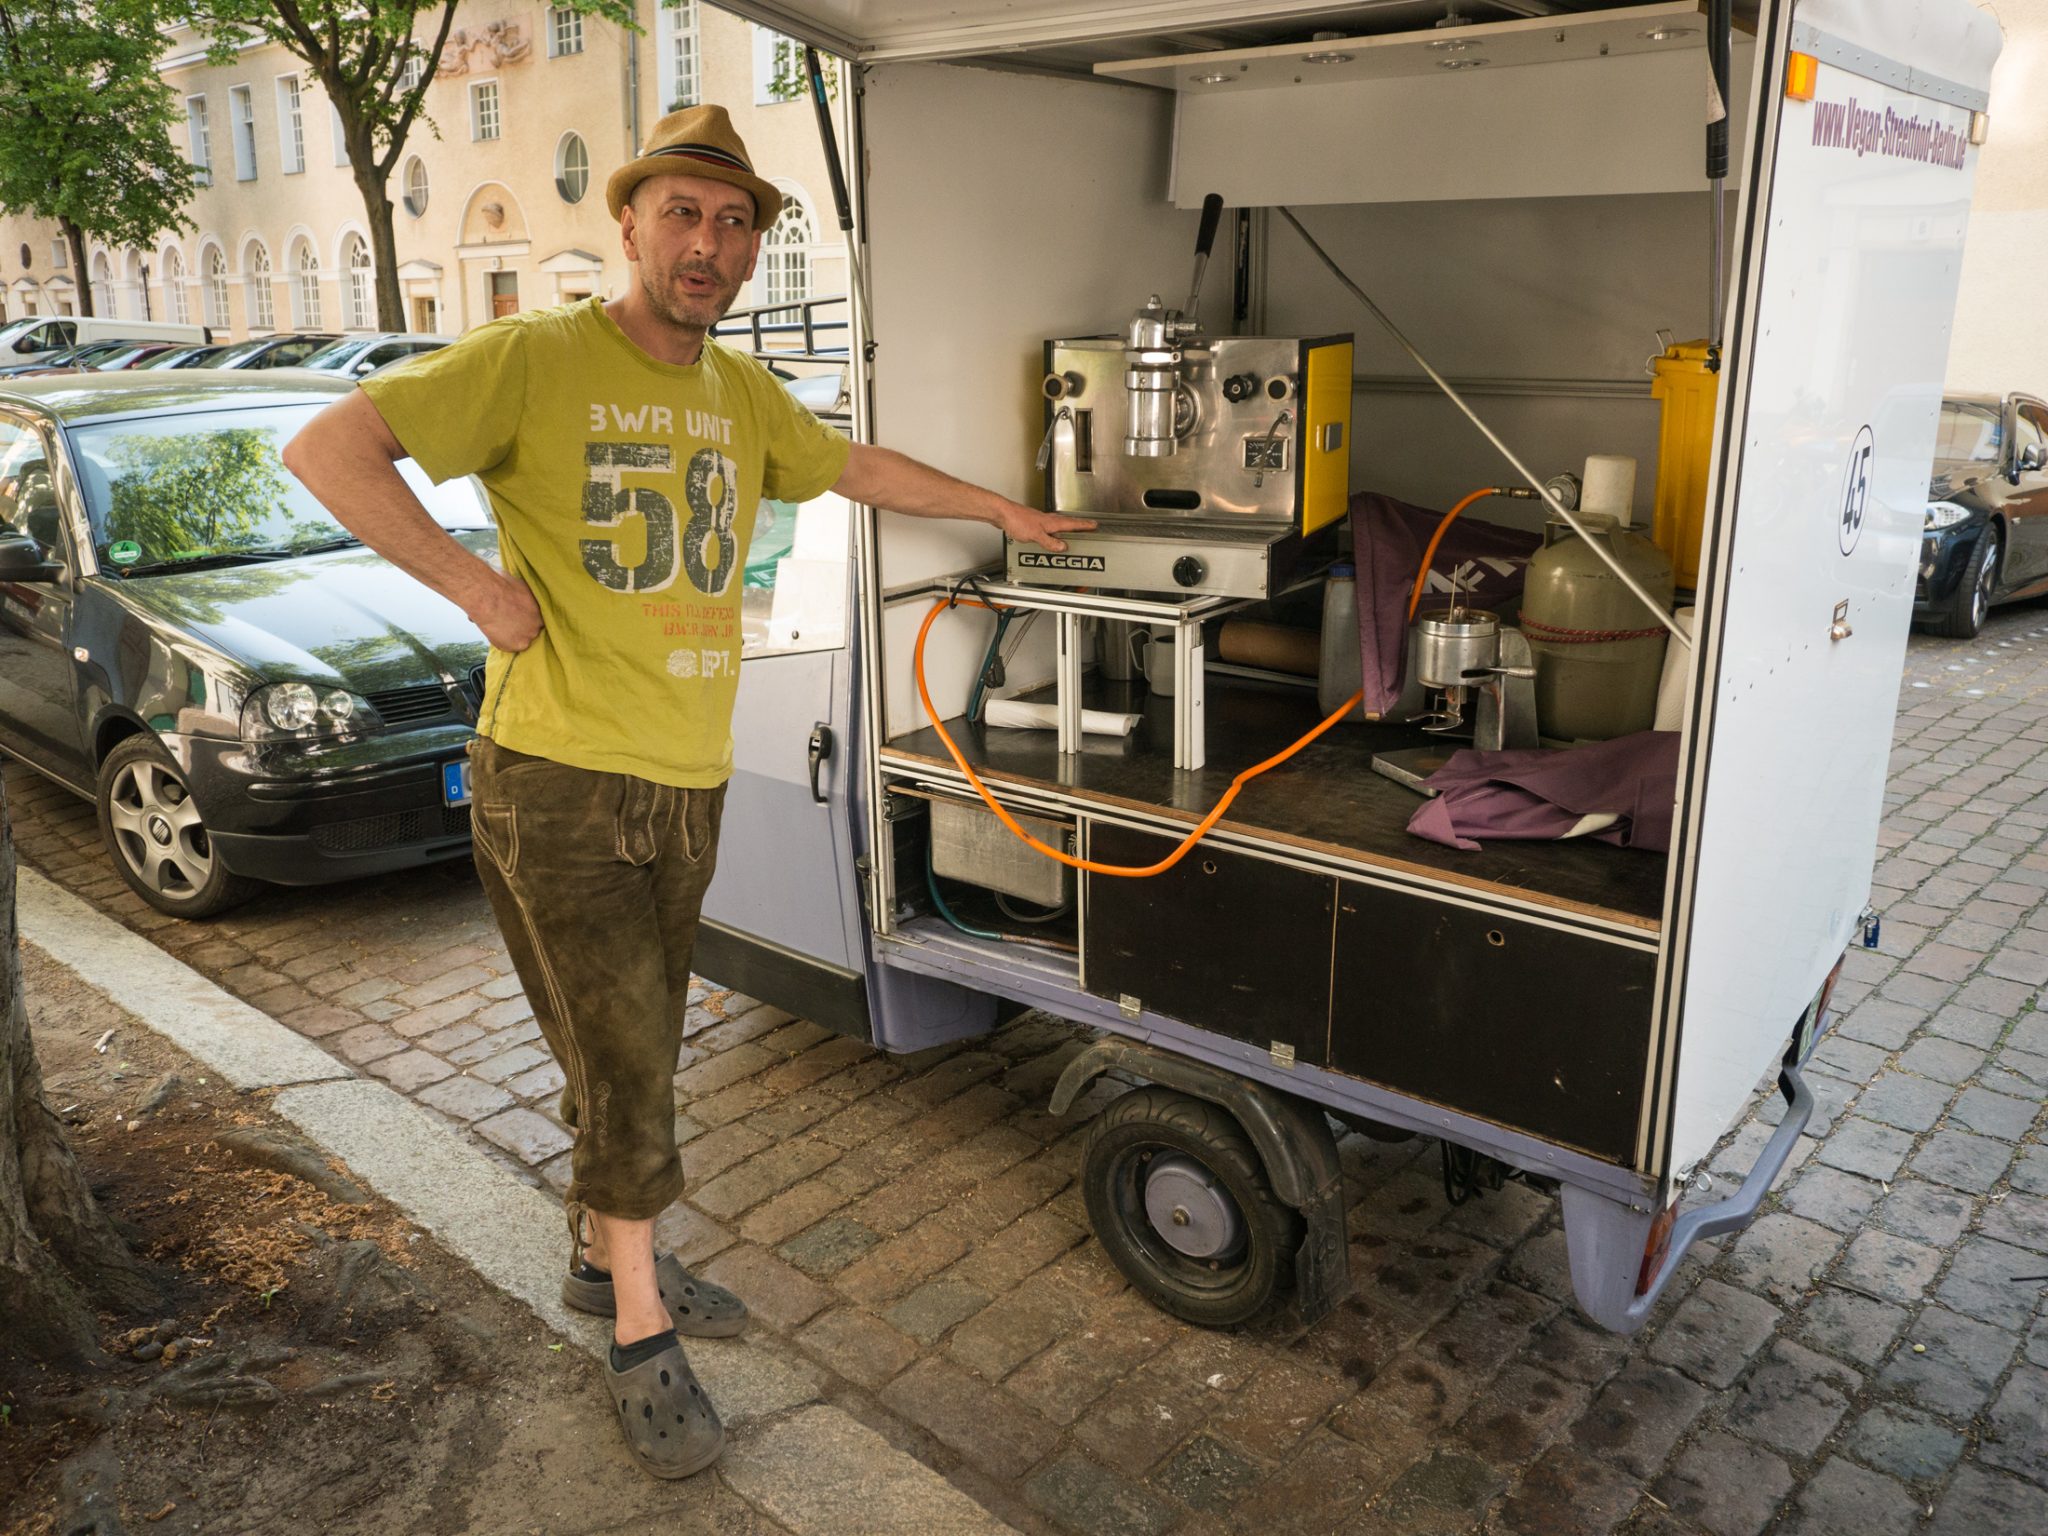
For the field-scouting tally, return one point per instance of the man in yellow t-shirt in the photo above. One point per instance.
(624, 453)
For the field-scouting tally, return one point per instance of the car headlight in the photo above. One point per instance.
(1944, 514)
(302, 712)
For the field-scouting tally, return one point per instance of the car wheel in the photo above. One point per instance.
(1181, 1204)
(152, 826)
(1971, 603)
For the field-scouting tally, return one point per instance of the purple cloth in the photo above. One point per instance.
(1544, 794)
(1387, 541)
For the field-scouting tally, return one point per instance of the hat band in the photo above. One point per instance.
(706, 153)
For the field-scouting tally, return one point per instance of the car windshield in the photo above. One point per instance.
(176, 357)
(242, 349)
(172, 490)
(1969, 431)
(336, 355)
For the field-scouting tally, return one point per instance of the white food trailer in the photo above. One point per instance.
(1524, 194)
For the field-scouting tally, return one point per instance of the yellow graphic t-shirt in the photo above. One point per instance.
(625, 492)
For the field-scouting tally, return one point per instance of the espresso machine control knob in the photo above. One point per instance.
(1189, 571)
(1240, 386)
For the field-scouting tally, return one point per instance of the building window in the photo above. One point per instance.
(483, 110)
(171, 268)
(306, 288)
(201, 139)
(60, 255)
(565, 31)
(426, 314)
(778, 67)
(291, 126)
(216, 289)
(786, 257)
(262, 302)
(102, 287)
(334, 127)
(413, 71)
(679, 61)
(415, 186)
(504, 290)
(242, 110)
(572, 168)
(362, 307)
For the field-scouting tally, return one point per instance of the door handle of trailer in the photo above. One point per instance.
(1740, 1208)
(820, 752)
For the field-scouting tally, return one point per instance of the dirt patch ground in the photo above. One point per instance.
(318, 1363)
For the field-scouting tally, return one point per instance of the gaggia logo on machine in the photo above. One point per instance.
(1061, 562)
(1855, 490)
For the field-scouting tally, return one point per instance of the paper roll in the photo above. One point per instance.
(1675, 686)
(1016, 715)
(1610, 485)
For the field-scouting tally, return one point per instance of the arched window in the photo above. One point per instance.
(786, 256)
(362, 305)
(102, 285)
(306, 288)
(572, 168)
(216, 288)
(262, 302)
(415, 186)
(171, 269)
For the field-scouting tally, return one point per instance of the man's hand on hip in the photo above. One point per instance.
(505, 611)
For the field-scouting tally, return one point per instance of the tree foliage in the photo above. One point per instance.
(85, 124)
(360, 52)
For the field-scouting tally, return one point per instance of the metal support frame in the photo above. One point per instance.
(1184, 614)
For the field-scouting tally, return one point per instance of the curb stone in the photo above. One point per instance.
(805, 1463)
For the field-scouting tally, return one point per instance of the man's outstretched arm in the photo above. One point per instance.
(347, 457)
(881, 477)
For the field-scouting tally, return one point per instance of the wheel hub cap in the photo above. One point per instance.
(1190, 1209)
(160, 830)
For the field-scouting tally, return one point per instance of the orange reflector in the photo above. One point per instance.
(1802, 71)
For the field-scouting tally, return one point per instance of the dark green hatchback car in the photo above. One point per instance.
(246, 692)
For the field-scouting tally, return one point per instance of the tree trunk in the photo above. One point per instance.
(74, 239)
(377, 212)
(59, 1255)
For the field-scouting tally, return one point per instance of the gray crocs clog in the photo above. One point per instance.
(671, 1427)
(699, 1309)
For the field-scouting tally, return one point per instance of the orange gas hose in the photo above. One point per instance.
(1129, 871)
(1429, 554)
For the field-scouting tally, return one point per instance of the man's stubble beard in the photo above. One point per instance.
(688, 314)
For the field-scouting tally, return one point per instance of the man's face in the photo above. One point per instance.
(692, 243)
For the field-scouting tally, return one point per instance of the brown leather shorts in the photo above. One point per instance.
(597, 880)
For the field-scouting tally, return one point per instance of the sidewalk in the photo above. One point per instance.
(913, 1240)
(804, 1463)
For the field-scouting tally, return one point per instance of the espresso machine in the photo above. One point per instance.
(1214, 465)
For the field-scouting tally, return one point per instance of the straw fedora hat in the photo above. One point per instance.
(697, 141)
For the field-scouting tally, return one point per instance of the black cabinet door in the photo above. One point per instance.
(1224, 941)
(1530, 1026)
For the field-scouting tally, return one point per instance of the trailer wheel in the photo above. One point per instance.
(1182, 1205)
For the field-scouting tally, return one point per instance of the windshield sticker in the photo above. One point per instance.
(124, 552)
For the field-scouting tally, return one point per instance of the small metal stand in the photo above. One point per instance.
(1068, 608)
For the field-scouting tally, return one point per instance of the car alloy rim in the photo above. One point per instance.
(1980, 600)
(158, 830)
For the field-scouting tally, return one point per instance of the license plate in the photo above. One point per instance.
(455, 782)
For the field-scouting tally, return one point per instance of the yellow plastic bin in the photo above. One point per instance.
(1688, 389)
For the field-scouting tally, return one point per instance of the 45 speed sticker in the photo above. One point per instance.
(1855, 491)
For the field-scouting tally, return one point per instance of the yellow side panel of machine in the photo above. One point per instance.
(1326, 445)
(1688, 385)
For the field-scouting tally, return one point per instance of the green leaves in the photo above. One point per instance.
(204, 493)
(85, 120)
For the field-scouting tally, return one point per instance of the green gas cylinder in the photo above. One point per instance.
(1599, 651)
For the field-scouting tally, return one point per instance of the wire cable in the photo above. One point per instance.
(1124, 871)
(1442, 528)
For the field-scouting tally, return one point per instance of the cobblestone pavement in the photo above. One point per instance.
(1864, 1360)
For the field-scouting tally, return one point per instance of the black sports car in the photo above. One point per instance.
(189, 639)
(1986, 539)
